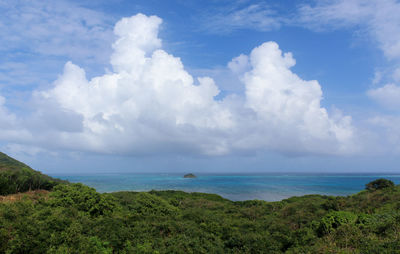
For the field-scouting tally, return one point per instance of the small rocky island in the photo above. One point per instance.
(189, 176)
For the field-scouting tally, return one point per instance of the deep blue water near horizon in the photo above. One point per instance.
(269, 187)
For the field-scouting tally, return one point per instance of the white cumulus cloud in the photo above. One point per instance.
(149, 104)
(289, 107)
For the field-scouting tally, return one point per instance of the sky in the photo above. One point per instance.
(212, 86)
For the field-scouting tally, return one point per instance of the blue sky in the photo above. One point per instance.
(217, 86)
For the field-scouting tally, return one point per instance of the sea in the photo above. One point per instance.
(236, 187)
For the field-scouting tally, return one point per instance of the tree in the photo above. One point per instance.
(379, 184)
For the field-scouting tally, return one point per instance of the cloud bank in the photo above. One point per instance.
(149, 104)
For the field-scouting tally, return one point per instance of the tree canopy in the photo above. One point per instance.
(379, 184)
(74, 218)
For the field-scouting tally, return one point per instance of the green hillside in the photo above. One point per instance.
(74, 218)
(8, 163)
(16, 176)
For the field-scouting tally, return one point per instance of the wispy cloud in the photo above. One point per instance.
(43, 34)
(388, 96)
(241, 15)
(53, 29)
(378, 18)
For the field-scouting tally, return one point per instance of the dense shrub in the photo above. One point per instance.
(83, 198)
(74, 218)
(379, 184)
(17, 177)
(335, 219)
(22, 180)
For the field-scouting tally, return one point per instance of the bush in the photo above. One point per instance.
(379, 184)
(24, 179)
(83, 198)
(334, 219)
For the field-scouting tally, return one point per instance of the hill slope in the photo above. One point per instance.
(8, 163)
(16, 176)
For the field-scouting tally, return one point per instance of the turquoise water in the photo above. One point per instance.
(270, 187)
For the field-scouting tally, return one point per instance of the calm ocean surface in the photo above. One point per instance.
(270, 187)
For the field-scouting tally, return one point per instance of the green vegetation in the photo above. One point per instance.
(74, 218)
(379, 184)
(17, 177)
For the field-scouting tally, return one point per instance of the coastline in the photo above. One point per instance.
(235, 187)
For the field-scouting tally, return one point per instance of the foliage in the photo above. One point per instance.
(8, 163)
(17, 177)
(74, 218)
(334, 220)
(83, 198)
(379, 184)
